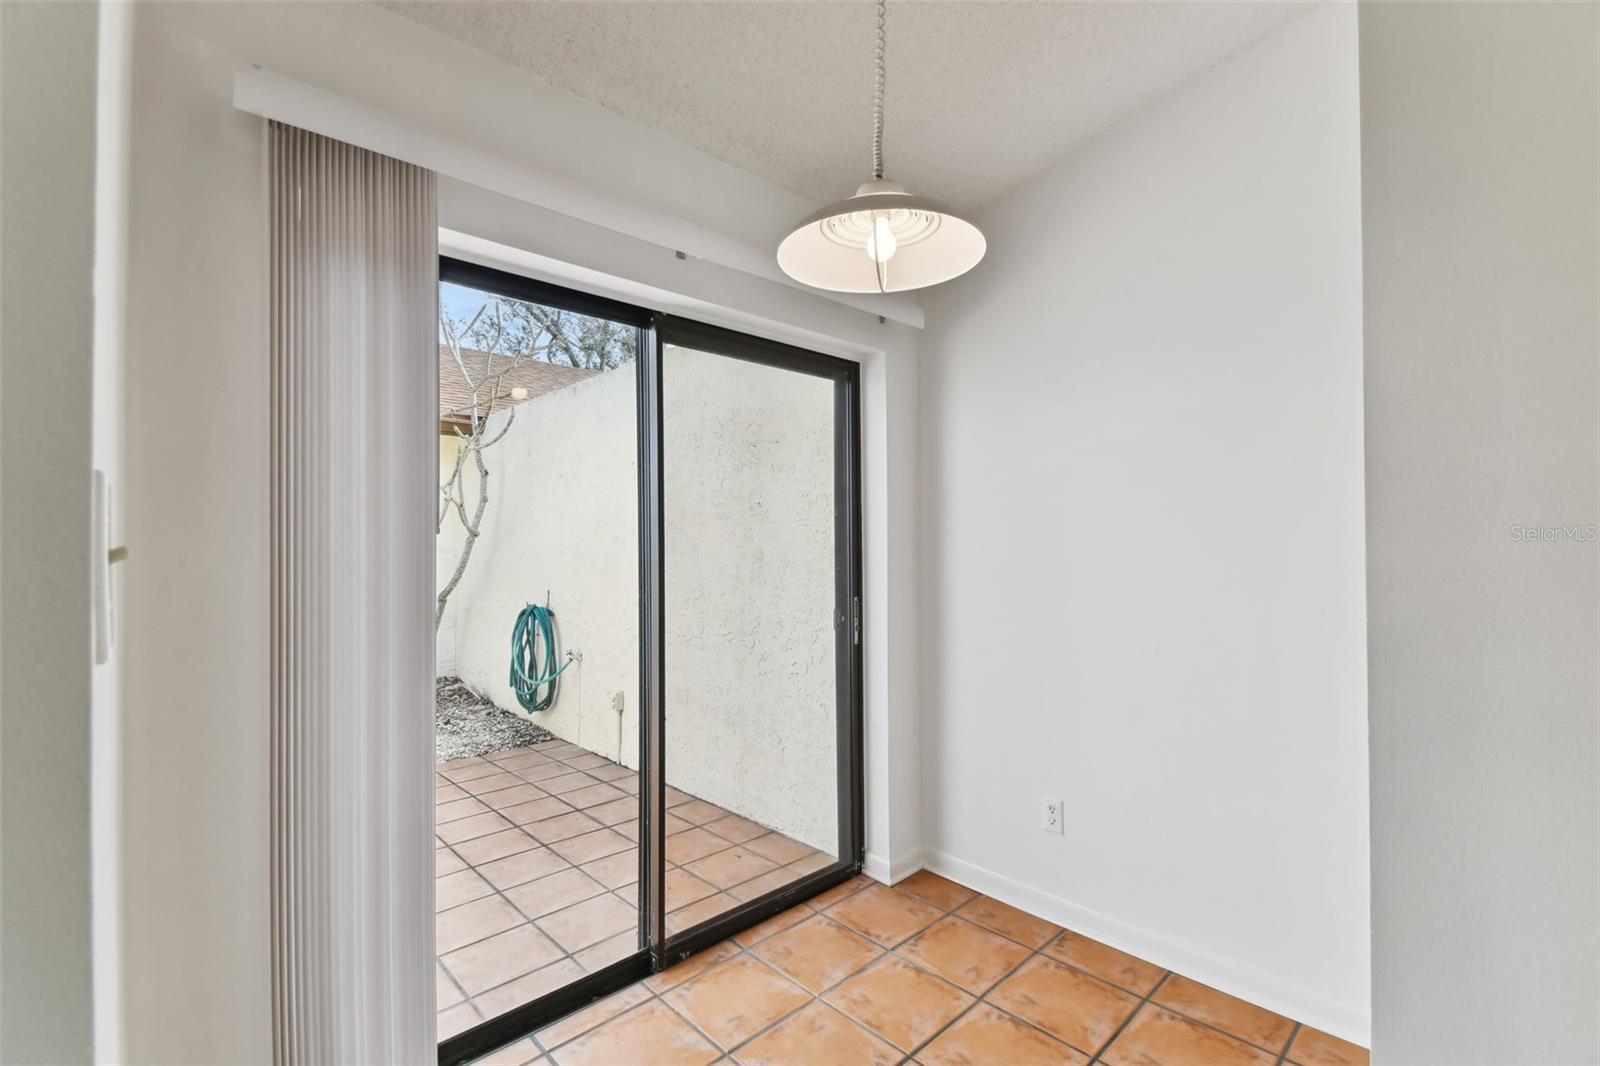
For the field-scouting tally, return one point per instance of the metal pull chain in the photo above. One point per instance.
(877, 95)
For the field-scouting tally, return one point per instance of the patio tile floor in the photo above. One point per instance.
(537, 867)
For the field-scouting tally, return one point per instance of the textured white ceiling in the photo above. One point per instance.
(981, 95)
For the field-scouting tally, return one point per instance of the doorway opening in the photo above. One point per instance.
(648, 720)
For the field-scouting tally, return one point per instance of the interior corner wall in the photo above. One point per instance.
(48, 55)
(1143, 542)
(1482, 269)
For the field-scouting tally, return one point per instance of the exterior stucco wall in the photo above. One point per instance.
(563, 519)
(452, 534)
(749, 547)
(750, 688)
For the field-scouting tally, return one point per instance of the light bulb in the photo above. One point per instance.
(881, 245)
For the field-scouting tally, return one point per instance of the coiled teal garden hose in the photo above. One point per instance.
(530, 671)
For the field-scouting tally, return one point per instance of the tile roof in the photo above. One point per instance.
(539, 378)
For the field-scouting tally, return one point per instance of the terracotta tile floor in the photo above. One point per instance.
(926, 972)
(537, 872)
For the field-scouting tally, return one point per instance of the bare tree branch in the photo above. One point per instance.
(517, 333)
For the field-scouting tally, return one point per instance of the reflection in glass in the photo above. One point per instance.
(751, 689)
(537, 808)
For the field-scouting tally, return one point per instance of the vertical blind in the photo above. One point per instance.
(353, 341)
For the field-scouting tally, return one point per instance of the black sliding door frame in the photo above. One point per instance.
(657, 949)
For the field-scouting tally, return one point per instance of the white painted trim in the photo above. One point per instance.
(1344, 1020)
(113, 121)
(486, 252)
(893, 871)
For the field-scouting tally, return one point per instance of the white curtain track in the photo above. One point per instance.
(354, 334)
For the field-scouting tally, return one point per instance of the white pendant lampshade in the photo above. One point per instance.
(882, 239)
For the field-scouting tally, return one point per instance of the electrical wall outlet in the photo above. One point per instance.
(1054, 816)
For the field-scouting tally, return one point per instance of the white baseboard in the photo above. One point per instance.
(1347, 1021)
(890, 871)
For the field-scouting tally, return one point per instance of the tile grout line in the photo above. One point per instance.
(818, 997)
(706, 825)
(884, 952)
(538, 1045)
(1134, 1013)
(1146, 998)
(495, 891)
(1202, 1023)
(466, 999)
(550, 1053)
(977, 998)
(983, 997)
(713, 1041)
(1033, 953)
(812, 997)
(1150, 1000)
(1283, 1056)
(750, 950)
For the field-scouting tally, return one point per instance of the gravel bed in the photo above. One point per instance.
(466, 724)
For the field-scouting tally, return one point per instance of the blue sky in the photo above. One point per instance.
(459, 302)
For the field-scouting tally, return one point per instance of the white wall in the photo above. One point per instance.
(1481, 246)
(47, 211)
(1141, 440)
(751, 687)
(197, 973)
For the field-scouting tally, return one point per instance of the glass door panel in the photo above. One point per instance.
(751, 534)
(537, 810)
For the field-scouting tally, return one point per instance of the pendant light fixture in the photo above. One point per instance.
(882, 239)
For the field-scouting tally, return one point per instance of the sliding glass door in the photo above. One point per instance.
(669, 559)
